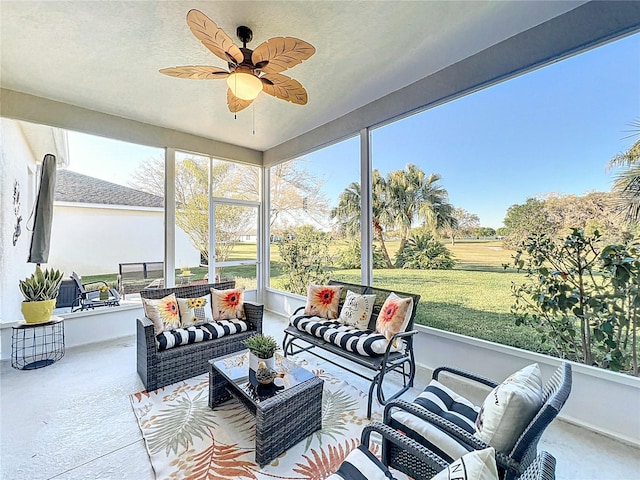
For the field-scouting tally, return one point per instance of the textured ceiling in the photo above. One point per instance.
(105, 56)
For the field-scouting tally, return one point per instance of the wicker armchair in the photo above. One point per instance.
(159, 368)
(555, 394)
(409, 457)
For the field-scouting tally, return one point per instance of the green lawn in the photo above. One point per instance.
(472, 299)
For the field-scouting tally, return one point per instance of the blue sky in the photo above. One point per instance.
(551, 130)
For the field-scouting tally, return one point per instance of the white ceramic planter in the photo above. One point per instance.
(254, 360)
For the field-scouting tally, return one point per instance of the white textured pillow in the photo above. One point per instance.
(356, 310)
(195, 311)
(476, 465)
(509, 408)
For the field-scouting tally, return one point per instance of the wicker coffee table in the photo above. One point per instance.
(286, 412)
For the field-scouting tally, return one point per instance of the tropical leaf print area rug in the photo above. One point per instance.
(186, 439)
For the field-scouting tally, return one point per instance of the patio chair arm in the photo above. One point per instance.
(254, 312)
(101, 282)
(428, 462)
(450, 428)
(434, 419)
(463, 373)
(392, 342)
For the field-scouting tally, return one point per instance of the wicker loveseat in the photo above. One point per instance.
(158, 368)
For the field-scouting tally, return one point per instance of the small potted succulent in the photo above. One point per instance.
(261, 348)
(40, 292)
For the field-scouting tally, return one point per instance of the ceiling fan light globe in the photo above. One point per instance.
(244, 85)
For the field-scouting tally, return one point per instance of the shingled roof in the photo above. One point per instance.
(78, 188)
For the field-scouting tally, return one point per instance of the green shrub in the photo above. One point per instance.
(423, 252)
(350, 257)
(582, 300)
(305, 256)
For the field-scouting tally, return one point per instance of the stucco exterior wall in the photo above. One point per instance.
(22, 147)
(17, 164)
(94, 239)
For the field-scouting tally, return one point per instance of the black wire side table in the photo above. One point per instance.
(37, 345)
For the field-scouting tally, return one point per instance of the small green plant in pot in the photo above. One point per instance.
(262, 347)
(40, 291)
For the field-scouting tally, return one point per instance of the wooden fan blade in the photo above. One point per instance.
(282, 53)
(284, 88)
(213, 37)
(196, 72)
(236, 104)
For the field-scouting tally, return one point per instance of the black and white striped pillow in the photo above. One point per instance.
(361, 464)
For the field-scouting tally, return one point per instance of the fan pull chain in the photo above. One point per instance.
(253, 111)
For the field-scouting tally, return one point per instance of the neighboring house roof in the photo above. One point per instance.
(78, 188)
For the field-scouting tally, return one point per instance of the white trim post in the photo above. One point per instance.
(169, 216)
(366, 214)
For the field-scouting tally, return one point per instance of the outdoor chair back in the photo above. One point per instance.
(90, 297)
(413, 459)
(555, 393)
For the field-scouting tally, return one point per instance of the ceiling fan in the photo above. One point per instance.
(250, 71)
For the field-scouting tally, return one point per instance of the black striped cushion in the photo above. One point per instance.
(361, 464)
(448, 404)
(362, 342)
(199, 333)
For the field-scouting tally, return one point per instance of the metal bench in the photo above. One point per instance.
(403, 361)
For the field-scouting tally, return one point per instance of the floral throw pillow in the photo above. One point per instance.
(164, 313)
(394, 315)
(323, 300)
(357, 309)
(227, 304)
(195, 311)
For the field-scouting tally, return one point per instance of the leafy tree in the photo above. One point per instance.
(415, 196)
(295, 195)
(294, 191)
(582, 300)
(522, 221)
(348, 211)
(589, 212)
(399, 200)
(464, 223)
(305, 257)
(424, 252)
(557, 215)
(485, 232)
(351, 256)
(627, 182)
(192, 201)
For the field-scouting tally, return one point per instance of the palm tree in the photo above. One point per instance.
(627, 182)
(414, 195)
(348, 211)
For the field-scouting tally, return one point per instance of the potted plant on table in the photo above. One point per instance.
(261, 348)
(40, 292)
(104, 292)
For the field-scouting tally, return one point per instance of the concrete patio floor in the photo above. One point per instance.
(73, 420)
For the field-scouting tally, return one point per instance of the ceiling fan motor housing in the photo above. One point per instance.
(244, 34)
